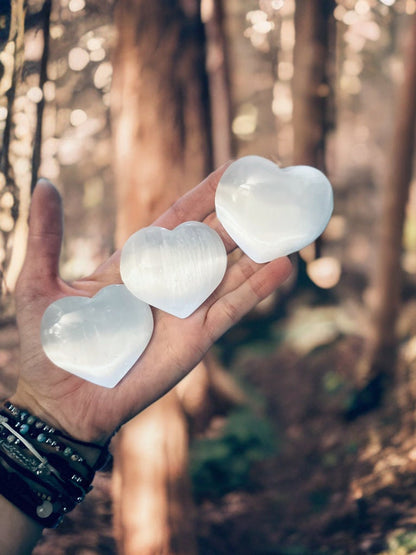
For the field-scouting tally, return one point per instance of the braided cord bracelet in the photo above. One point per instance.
(41, 472)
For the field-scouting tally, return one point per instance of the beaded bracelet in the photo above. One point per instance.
(37, 498)
(35, 428)
(40, 472)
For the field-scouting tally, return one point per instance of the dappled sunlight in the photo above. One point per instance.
(76, 5)
(78, 58)
(325, 272)
(245, 123)
(67, 133)
(297, 363)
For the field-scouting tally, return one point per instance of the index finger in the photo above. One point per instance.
(195, 205)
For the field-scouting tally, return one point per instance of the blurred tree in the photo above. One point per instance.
(45, 13)
(12, 18)
(218, 80)
(381, 356)
(162, 139)
(160, 118)
(313, 55)
(314, 28)
(159, 107)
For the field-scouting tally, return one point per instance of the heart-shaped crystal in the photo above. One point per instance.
(174, 270)
(272, 212)
(99, 338)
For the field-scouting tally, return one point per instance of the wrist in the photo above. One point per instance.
(42, 471)
(20, 533)
(90, 451)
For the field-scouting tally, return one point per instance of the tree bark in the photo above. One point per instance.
(388, 274)
(219, 83)
(10, 267)
(313, 51)
(37, 143)
(380, 359)
(159, 107)
(311, 83)
(153, 509)
(160, 116)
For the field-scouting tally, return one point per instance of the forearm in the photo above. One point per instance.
(18, 533)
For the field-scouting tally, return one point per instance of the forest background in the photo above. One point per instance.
(296, 435)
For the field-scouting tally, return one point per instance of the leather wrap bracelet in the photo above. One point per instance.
(41, 471)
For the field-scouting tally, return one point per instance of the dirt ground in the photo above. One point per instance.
(333, 486)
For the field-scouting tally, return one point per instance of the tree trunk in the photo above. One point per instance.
(315, 33)
(219, 83)
(13, 24)
(43, 76)
(379, 362)
(388, 275)
(153, 510)
(159, 107)
(311, 86)
(161, 131)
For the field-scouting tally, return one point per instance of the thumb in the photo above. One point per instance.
(45, 232)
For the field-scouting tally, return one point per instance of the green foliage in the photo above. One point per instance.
(402, 542)
(333, 382)
(223, 464)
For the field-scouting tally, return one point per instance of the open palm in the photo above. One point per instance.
(90, 412)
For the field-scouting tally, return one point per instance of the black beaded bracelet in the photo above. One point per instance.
(39, 500)
(37, 429)
(40, 472)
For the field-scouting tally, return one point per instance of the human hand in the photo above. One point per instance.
(89, 412)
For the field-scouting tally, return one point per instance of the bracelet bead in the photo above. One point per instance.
(40, 469)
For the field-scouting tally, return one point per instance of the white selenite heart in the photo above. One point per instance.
(272, 212)
(176, 270)
(99, 338)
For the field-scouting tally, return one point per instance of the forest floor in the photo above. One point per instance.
(334, 486)
(330, 487)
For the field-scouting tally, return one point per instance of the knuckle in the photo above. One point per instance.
(230, 311)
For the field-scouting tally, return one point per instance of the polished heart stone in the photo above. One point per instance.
(272, 212)
(99, 338)
(174, 270)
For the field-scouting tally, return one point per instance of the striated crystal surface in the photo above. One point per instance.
(99, 338)
(176, 270)
(270, 211)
